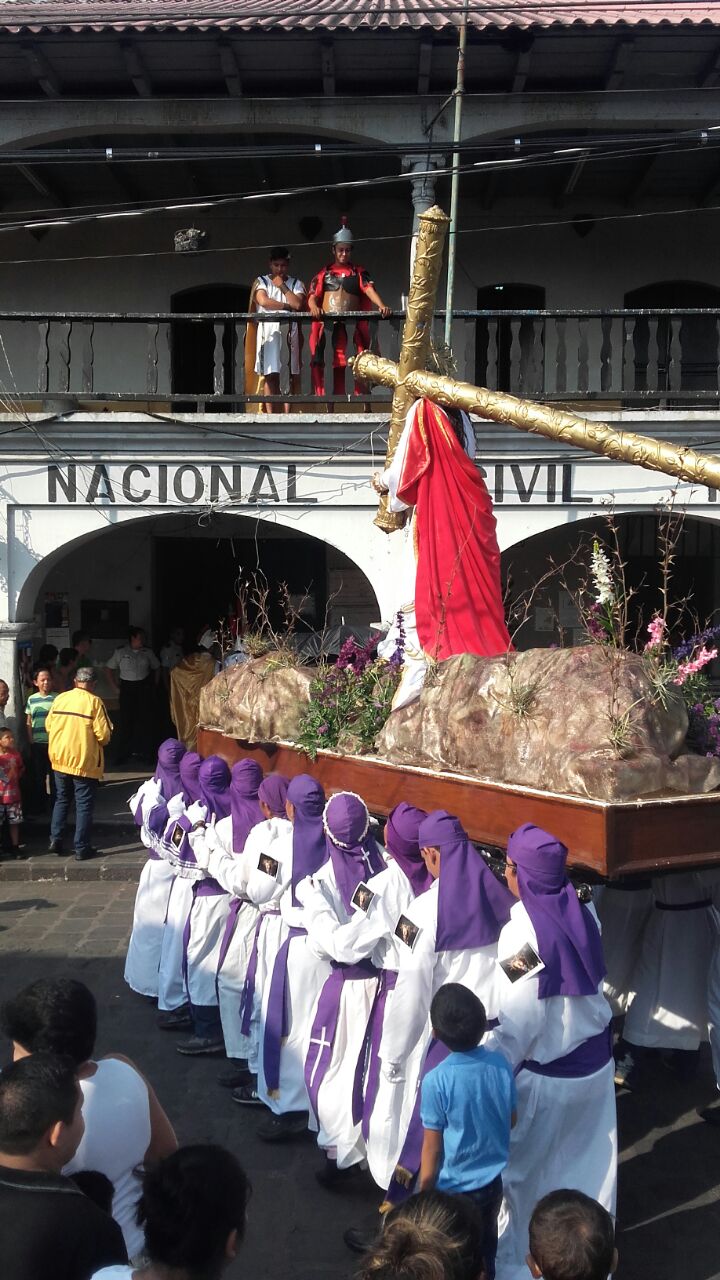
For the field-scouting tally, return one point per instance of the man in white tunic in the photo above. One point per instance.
(335, 1058)
(150, 808)
(555, 1030)
(448, 934)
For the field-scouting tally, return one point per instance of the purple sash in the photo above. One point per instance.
(247, 999)
(322, 1035)
(276, 1018)
(387, 983)
(235, 905)
(590, 1056)
(408, 1166)
(208, 888)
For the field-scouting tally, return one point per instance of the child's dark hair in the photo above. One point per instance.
(431, 1236)
(41, 666)
(572, 1237)
(54, 1014)
(66, 657)
(36, 1093)
(458, 1017)
(190, 1204)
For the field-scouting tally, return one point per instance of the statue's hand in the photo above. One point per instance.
(377, 483)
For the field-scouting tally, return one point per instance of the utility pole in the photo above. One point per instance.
(455, 188)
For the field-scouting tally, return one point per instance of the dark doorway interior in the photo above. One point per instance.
(509, 354)
(193, 342)
(690, 340)
(195, 578)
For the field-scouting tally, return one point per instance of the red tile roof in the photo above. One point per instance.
(346, 15)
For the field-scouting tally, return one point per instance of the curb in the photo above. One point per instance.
(113, 868)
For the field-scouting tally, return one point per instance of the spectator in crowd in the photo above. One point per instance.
(66, 668)
(78, 729)
(431, 1236)
(134, 672)
(467, 1108)
(48, 1228)
(193, 1208)
(571, 1238)
(125, 1126)
(277, 291)
(11, 771)
(172, 653)
(36, 712)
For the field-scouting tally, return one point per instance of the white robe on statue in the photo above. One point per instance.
(566, 1133)
(670, 1006)
(371, 935)
(339, 1135)
(624, 914)
(142, 962)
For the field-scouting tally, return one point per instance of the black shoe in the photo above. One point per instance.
(84, 855)
(201, 1046)
(711, 1114)
(247, 1094)
(175, 1020)
(361, 1240)
(335, 1179)
(293, 1124)
(237, 1073)
(55, 846)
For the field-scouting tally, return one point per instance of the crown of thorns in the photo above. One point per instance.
(341, 843)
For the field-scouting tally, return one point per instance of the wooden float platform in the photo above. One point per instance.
(668, 833)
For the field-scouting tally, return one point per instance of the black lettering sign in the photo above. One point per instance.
(264, 475)
(67, 482)
(198, 484)
(128, 491)
(292, 495)
(218, 476)
(100, 476)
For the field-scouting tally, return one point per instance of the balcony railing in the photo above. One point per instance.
(196, 362)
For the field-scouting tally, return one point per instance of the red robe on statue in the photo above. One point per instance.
(458, 595)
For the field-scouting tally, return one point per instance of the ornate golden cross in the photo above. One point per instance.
(411, 380)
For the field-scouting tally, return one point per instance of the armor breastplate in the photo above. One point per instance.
(341, 293)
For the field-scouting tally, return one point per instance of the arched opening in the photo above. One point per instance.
(509, 353)
(544, 572)
(169, 570)
(689, 343)
(195, 366)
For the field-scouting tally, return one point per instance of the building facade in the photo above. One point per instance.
(140, 479)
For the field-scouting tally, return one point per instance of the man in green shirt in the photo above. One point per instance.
(36, 710)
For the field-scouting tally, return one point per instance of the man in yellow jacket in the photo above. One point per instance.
(78, 728)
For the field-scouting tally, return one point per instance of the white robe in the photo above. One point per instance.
(239, 873)
(713, 992)
(566, 1134)
(624, 915)
(372, 934)
(338, 1135)
(142, 962)
(171, 983)
(670, 1006)
(306, 976)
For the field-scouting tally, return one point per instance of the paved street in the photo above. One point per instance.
(669, 1211)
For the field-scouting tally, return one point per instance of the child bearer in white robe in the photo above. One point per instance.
(555, 1030)
(294, 981)
(150, 806)
(172, 997)
(448, 934)
(256, 877)
(335, 1058)
(624, 913)
(205, 925)
(669, 1010)
(371, 934)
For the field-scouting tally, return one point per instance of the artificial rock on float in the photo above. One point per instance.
(580, 721)
(257, 701)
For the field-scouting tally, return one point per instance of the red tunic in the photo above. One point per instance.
(458, 594)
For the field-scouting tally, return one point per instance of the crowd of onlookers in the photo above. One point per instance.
(93, 1185)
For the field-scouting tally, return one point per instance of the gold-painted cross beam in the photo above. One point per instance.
(411, 380)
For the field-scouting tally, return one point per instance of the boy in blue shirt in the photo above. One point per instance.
(467, 1108)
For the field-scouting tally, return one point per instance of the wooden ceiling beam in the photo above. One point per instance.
(42, 186)
(571, 182)
(425, 55)
(230, 65)
(619, 63)
(327, 66)
(641, 180)
(43, 72)
(136, 69)
(710, 75)
(522, 70)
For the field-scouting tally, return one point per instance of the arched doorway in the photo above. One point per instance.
(192, 343)
(558, 560)
(690, 341)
